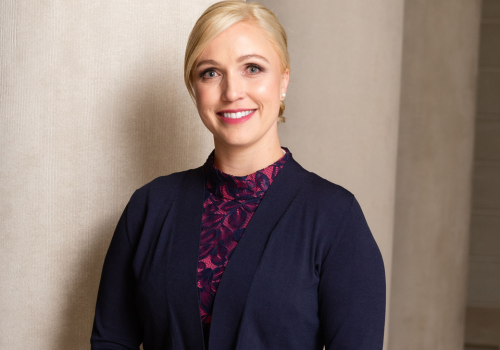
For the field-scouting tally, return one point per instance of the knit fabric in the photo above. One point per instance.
(229, 204)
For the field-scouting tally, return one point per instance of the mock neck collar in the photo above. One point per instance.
(245, 187)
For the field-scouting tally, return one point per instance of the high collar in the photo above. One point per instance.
(245, 187)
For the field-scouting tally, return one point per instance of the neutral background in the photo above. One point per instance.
(381, 101)
(483, 297)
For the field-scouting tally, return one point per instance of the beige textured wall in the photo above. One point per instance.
(93, 105)
(434, 174)
(342, 102)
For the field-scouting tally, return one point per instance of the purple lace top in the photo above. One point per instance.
(229, 204)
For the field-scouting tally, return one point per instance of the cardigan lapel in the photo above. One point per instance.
(182, 290)
(238, 275)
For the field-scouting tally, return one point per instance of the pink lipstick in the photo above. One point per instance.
(236, 116)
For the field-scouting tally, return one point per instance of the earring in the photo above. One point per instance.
(283, 95)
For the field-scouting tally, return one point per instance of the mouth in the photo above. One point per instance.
(234, 116)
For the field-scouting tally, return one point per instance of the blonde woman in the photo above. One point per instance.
(250, 250)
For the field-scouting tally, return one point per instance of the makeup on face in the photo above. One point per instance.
(238, 83)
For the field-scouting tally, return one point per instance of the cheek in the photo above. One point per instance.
(262, 89)
(267, 92)
(204, 97)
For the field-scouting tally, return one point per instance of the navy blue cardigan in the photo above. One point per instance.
(307, 273)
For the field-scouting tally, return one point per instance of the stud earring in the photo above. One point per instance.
(283, 95)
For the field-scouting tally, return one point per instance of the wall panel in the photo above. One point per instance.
(483, 297)
(342, 104)
(93, 105)
(434, 174)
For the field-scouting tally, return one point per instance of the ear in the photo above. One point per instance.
(284, 81)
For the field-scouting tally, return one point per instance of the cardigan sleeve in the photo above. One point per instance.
(116, 324)
(352, 288)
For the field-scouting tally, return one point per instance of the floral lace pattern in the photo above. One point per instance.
(229, 204)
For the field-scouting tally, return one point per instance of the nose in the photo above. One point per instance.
(233, 87)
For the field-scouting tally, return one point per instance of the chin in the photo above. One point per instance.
(237, 142)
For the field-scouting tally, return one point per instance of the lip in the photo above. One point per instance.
(235, 121)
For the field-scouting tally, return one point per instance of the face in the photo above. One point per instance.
(238, 84)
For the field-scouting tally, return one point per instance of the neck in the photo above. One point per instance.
(244, 160)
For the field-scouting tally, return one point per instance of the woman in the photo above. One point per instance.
(250, 250)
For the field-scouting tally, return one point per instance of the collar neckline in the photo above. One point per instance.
(244, 187)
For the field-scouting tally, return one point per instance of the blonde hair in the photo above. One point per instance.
(221, 16)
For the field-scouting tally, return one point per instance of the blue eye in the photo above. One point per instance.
(209, 73)
(254, 69)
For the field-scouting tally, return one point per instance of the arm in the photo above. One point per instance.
(352, 288)
(116, 323)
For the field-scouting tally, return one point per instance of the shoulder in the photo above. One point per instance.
(314, 188)
(324, 203)
(161, 188)
(327, 190)
(320, 198)
(319, 192)
(152, 201)
(332, 207)
(332, 213)
(149, 200)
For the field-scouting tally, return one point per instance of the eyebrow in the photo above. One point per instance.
(241, 59)
(246, 57)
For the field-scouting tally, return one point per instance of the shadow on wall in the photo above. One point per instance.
(153, 137)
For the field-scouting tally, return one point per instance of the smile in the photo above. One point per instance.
(236, 116)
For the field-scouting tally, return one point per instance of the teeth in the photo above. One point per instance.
(237, 115)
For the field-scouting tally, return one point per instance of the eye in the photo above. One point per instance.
(254, 69)
(209, 74)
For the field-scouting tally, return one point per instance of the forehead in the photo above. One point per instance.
(238, 40)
